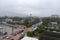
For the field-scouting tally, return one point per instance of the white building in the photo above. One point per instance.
(7, 20)
(29, 38)
(53, 25)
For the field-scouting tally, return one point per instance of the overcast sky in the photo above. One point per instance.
(25, 7)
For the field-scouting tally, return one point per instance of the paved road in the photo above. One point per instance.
(35, 26)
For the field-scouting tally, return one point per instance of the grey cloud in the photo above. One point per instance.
(35, 7)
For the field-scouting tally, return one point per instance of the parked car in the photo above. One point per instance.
(5, 33)
(14, 34)
(9, 36)
(22, 36)
(20, 31)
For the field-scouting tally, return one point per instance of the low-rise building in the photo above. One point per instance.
(53, 25)
(8, 20)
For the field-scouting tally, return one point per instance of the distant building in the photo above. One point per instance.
(8, 20)
(2, 20)
(17, 19)
(22, 21)
(55, 16)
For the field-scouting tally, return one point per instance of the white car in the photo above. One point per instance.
(9, 36)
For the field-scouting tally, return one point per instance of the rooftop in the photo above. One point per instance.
(29, 38)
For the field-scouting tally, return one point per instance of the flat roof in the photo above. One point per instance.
(29, 38)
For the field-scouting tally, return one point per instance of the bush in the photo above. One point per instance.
(30, 34)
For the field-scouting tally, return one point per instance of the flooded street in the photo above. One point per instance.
(5, 28)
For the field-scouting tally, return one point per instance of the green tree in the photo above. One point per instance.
(45, 21)
(27, 23)
(30, 34)
(40, 30)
